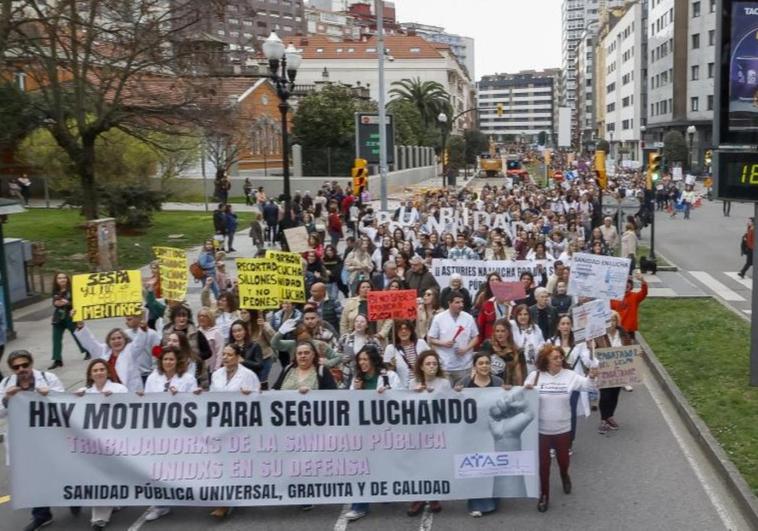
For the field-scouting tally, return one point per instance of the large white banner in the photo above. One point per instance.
(474, 272)
(598, 276)
(277, 448)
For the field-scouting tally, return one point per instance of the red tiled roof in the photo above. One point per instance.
(399, 46)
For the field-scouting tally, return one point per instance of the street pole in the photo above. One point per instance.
(444, 148)
(9, 332)
(283, 108)
(379, 8)
(205, 177)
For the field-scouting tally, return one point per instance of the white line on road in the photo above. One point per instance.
(341, 523)
(749, 312)
(717, 287)
(426, 520)
(657, 396)
(747, 282)
(136, 526)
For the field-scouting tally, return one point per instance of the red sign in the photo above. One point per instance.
(392, 304)
(508, 291)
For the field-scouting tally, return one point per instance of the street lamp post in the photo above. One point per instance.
(442, 119)
(690, 136)
(283, 64)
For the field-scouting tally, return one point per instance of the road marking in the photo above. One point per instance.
(747, 282)
(717, 287)
(652, 279)
(658, 398)
(4, 499)
(136, 526)
(749, 312)
(661, 292)
(426, 519)
(341, 523)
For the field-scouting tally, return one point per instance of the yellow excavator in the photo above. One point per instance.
(490, 163)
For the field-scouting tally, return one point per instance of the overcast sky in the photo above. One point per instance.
(510, 35)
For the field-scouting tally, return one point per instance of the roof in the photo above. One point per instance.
(399, 46)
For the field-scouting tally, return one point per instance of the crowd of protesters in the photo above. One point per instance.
(459, 339)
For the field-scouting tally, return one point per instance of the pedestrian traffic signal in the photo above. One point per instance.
(445, 157)
(360, 175)
(600, 174)
(653, 169)
(499, 110)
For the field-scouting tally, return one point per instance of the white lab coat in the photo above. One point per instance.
(244, 378)
(127, 364)
(404, 372)
(156, 382)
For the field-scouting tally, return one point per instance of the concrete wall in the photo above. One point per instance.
(274, 185)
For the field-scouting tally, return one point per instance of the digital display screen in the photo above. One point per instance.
(743, 67)
(737, 176)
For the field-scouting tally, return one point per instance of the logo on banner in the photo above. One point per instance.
(488, 464)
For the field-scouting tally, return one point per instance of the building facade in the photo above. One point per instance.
(584, 134)
(462, 47)
(332, 24)
(528, 105)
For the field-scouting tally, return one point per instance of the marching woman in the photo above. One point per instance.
(428, 376)
(62, 307)
(98, 381)
(526, 335)
(206, 323)
(609, 397)
(403, 351)
(579, 360)
(118, 351)
(371, 375)
(555, 382)
(353, 342)
(252, 354)
(506, 360)
(305, 373)
(429, 307)
(171, 375)
(232, 376)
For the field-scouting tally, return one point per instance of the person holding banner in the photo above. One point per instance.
(454, 334)
(506, 361)
(555, 382)
(526, 335)
(403, 351)
(120, 352)
(252, 354)
(25, 378)
(226, 309)
(615, 336)
(62, 307)
(628, 307)
(579, 360)
(305, 373)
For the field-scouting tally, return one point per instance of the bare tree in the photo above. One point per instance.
(104, 64)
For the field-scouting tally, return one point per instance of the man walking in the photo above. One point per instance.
(747, 246)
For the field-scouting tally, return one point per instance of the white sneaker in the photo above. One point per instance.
(352, 516)
(153, 513)
(475, 514)
(552, 453)
(628, 388)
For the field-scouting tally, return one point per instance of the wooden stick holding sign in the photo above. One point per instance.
(392, 304)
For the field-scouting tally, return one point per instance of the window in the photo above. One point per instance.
(695, 41)
(710, 102)
(711, 69)
(695, 9)
(711, 37)
(20, 78)
(695, 72)
(694, 103)
(712, 7)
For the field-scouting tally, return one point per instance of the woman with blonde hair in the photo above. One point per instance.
(206, 323)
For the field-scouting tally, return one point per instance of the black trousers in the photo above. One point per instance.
(609, 399)
(748, 262)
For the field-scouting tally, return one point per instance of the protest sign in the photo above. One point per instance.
(279, 448)
(392, 304)
(591, 319)
(258, 283)
(474, 272)
(289, 274)
(297, 239)
(598, 276)
(618, 366)
(508, 291)
(173, 272)
(108, 294)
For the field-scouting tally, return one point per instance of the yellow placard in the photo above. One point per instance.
(289, 272)
(109, 294)
(258, 283)
(173, 271)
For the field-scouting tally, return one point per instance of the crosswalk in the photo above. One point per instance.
(724, 291)
(716, 286)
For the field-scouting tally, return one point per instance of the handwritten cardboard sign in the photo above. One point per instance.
(258, 283)
(392, 304)
(297, 239)
(173, 272)
(508, 291)
(108, 294)
(619, 366)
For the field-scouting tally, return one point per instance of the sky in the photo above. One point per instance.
(509, 35)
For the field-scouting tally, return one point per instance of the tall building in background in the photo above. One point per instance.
(584, 110)
(576, 16)
(527, 99)
(462, 47)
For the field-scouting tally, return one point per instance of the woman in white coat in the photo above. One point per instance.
(404, 350)
(118, 351)
(98, 382)
(579, 359)
(527, 336)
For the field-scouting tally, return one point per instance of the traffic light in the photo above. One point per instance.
(602, 177)
(499, 110)
(548, 155)
(445, 157)
(360, 175)
(653, 169)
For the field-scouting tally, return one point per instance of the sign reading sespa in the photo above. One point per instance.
(278, 448)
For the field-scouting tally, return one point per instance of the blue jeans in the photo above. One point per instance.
(266, 369)
(574, 401)
(333, 290)
(483, 505)
(214, 285)
(359, 507)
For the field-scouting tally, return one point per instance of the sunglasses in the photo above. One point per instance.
(20, 366)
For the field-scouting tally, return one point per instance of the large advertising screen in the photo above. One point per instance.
(743, 67)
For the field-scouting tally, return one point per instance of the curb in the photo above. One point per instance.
(729, 475)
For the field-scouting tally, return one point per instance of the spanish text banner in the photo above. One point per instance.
(174, 272)
(277, 448)
(107, 294)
